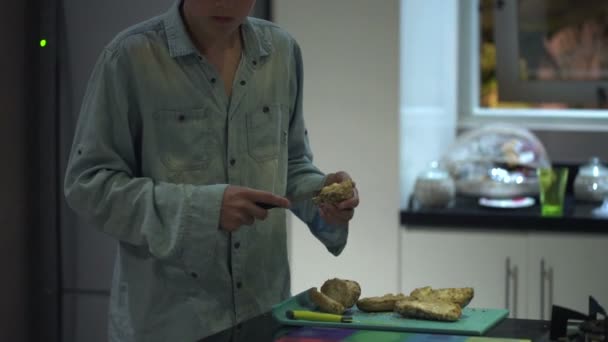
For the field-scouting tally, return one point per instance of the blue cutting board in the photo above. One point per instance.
(474, 321)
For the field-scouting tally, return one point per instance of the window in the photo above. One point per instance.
(539, 62)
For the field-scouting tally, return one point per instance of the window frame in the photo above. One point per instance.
(472, 115)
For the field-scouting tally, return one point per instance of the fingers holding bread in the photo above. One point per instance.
(335, 193)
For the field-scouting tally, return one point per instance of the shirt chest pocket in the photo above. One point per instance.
(265, 131)
(184, 138)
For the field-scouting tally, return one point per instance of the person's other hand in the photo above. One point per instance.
(343, 212)
(576, 51)
(239, 206)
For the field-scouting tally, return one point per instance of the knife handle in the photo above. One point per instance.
(317, 316)
(265, 205)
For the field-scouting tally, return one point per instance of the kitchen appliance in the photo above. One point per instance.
(571, 325)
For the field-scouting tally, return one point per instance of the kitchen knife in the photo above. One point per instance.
(317, 316)
(293, 199)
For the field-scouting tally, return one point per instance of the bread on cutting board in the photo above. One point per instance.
(432, 309)
(384, 303)
(336, 295)
(459, 295)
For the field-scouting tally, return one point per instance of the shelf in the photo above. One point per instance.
(466, 212)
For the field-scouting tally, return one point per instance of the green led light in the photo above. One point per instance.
(42, 42)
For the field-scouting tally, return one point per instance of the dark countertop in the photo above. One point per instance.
(265, 329)
(466, 212)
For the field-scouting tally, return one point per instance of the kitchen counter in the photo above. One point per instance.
(466, 212)
(265, 329)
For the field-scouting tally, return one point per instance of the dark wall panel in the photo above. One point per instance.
(85, 318)
(13, 227)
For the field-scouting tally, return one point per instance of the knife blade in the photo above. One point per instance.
(293, 199)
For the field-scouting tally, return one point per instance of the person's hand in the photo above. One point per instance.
(239, 208)
(575, 52)
(344, 211)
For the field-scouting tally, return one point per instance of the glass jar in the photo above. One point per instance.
(434, 187)
(591, 182)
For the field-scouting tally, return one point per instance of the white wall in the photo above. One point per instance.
(351, 106)
(429, 79)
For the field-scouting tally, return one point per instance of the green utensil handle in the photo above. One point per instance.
(317, 316)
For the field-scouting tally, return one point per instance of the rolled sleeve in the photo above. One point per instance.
(303, 176)
(334, 237)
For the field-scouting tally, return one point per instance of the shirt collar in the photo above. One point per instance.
(178, 39)
(257, 44)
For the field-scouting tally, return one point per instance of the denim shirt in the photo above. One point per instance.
(157, 143)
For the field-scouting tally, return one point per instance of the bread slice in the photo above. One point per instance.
(325, 303)
(345, 292)
(335, 193)
(461, 296)
(380, 304)
(428, 309)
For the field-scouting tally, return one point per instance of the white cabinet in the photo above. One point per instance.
(565, 268)
(525, 272)
(458, 257)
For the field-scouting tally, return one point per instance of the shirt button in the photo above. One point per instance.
(265, 109)
(232, 161)
(237, 245)
(239, 285)
(213, 80)
(243, 83)
(194, 275)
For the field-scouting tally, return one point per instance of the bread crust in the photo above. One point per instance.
(380, 304)
(335, 193)
(461, 296)
(437, 310)
(345, 292)
(325, 303)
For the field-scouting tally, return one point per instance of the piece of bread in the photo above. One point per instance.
(345, 292)
(461, 296)
(428, 309)
(421, 292)
(380, 304)
(335, 193)
(325, 303)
